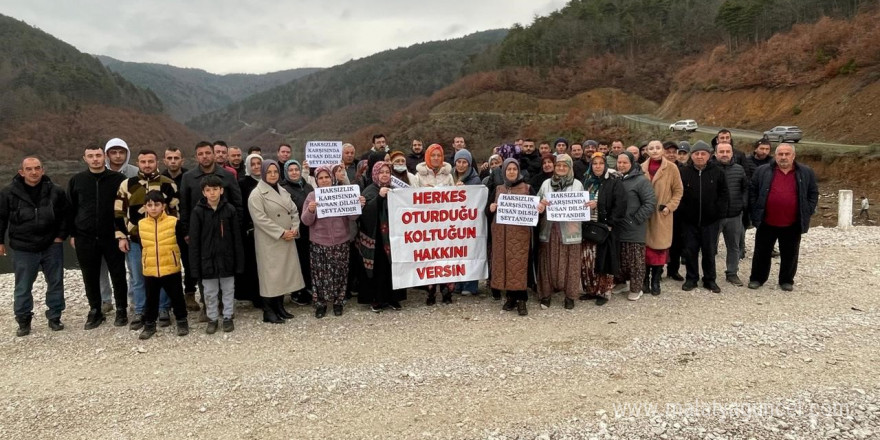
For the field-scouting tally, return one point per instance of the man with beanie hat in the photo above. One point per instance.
(705, 196)
(684, 152)
(561, 146)
(590, 147)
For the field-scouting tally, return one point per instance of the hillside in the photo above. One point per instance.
(55, 99)
(187, 93)
(378, 80)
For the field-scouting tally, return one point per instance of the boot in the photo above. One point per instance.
(510, 304)
(24, 324)
(447, 297)
(191, 304)
(182, 327)
(432, 296)
(280, 310)
(496, 294)
(320, 311)
(269, 314)
(656, 272)
(521, 308)
(148, 331)
(646, 283)
(337, 309)
(121, 318)
(212, 327)
(94, 319)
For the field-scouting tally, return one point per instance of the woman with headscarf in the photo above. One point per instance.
(509, 268)
(329, 248)
(601, 262)
(248, 283)
(375, 246)
(360, 175)
(464, 173)
(559, 263)
(640, 203)
(434, 172)
(668, 189)
(276, 226)
(398, 168)
(548, 162)
(299, 188)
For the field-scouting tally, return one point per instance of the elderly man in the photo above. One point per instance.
(34, 212)
(782, 198)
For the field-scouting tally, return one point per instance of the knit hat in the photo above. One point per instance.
(701, 146)
(563, 140)
(669, 144)
(684, 146)
(463, 154)
(591, 143)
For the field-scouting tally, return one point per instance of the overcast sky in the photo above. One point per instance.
(257, 36)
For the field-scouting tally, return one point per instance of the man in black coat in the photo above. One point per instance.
(705, 197)
(415, 156)
(33, 211)
(92, 195)
(529, 159)
(782, 198)
(731, 218)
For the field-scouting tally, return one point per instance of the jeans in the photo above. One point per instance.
(212, 291)
(26, 266)
(789, 247)
(136, 280)
(469, 286)
(700, 239)
(732, 229)
(90, 252)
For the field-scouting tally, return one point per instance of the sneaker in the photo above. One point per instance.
(137, 322)
(447, 298)
(634, 296)
(733, 279)
(788, 287)
(754, 285)
(569, 304)
(164, 318)
(545, 303)
(675, 276)
(337, 309)
(395, 305)
(182, 327)
(620, 288)
(148, 331)
(466, 293)
(689, 285)
(106, 307)
(228, 325)
(212, 327)
(376, 308)
(713, 286)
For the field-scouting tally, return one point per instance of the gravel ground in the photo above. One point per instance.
(737, 365)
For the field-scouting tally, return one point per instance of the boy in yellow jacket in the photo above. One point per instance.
(162, 265)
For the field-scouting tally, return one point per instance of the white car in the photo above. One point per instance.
(684, 125)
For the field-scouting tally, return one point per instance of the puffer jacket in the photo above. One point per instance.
(640, 204)
(160, 253)
(737, 189)
(216, 248)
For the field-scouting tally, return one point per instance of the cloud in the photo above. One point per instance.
(256, 36)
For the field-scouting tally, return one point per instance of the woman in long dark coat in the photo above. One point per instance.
(601, 262)
(299, 189)
(375, 246)
(247, 284)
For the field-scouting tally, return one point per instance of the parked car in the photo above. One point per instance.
(784, 133)
(684, 125)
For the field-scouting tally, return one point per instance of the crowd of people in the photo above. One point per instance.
(244, 227)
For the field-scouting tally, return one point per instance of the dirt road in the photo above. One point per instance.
(701, 365)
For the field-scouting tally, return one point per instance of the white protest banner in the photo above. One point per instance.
(568, 206)
(338, 201)
(437, 235)
(397, 183)
(516, 209)
(323, 153)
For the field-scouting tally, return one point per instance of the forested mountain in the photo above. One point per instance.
(55, 99)
(404, 73)
(187, 93)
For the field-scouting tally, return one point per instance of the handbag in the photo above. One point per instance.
(596, 232)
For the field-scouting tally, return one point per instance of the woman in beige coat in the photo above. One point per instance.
(666, 181)
(276, 225)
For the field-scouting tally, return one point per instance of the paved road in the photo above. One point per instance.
(736, 132)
